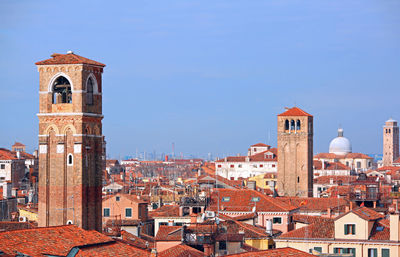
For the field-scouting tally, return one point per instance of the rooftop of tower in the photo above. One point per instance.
(69, 58)
(295, 111)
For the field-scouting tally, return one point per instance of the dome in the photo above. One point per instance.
(340, 145)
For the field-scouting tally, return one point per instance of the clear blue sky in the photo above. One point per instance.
(210, 76)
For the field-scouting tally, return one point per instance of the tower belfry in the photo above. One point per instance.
(70, 141)
(295, 153)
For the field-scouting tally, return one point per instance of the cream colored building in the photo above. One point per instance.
(361, 231)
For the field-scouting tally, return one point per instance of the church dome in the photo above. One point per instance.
(340, 145)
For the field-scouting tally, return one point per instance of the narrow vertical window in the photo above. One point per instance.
(89, 92)
(298, 125)
(286, 125)
(292, 125)
(70, 160)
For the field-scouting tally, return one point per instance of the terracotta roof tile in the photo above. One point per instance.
(315, 204)
(69, 59)
(336, 179)
(260, 144)
(336, 156)
(245, 199)
(367, 214)
(295, 111)
(169, 233)
(117, 248)
(279, 252)
(324, 229)
(181, 251)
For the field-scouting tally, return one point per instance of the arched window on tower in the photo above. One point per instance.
(62, 93)
(89, 92)
(292, 125)
(298, 125)
(286, 125)
(70, 160)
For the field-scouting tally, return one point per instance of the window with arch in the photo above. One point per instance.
(292, 125)
(89, 91)
(286, 125)
(298, 125)
(70, 160)
(62, 93)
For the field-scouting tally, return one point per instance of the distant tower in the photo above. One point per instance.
(390, 142)
(71, 143)
(295, 153)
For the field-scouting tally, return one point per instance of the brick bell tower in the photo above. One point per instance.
(295, 153)
(70, 141)
(390, 142)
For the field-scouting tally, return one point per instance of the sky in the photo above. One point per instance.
(210, 76)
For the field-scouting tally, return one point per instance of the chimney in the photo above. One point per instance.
(351, 206)
(394, 227)
(251, 185)
(193, 218)
(7, 189)
(329, 212)
(153, 252)
(180, 211)
(269, 227)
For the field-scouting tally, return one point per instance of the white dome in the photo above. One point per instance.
(340, 145)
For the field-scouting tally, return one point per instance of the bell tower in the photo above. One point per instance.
(70, 141)
(295, 153)
(390, 142)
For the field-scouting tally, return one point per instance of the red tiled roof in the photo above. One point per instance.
(69, 59)
(165, 211)
(279, 252)
(366, 213)
(323, 229)
(397, 161)
(380, 231)
(260, 144)
(181, 251)
(308, 219)
(336, 156)
(136, 241)
(169, 233)
(118, 248)
(315, 204)
(58, 240)
(18, 144)
(330, 166)
(336, 179)
(243, 200)
(259, 157)
(295, 111)
(14, 225)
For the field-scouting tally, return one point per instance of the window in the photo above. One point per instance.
(2, 166)
(298, 179)
(261, 165)
(226, 199)
(106, 212)
(273, 165)
(219, 165)
(62, 93)
(232, 165)
(277, 220)
(385, 252)
(89, 92)
(372, 252)
(318, 249)
(286, 125)
(117, 198)
(292, 125)
(240, 165)
(128, 212)
(298, 125)
(222, 245)
(349, 229)
(358, 165)
(70, 160)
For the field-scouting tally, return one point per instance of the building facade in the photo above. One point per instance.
(295, 153)
(70, 141)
